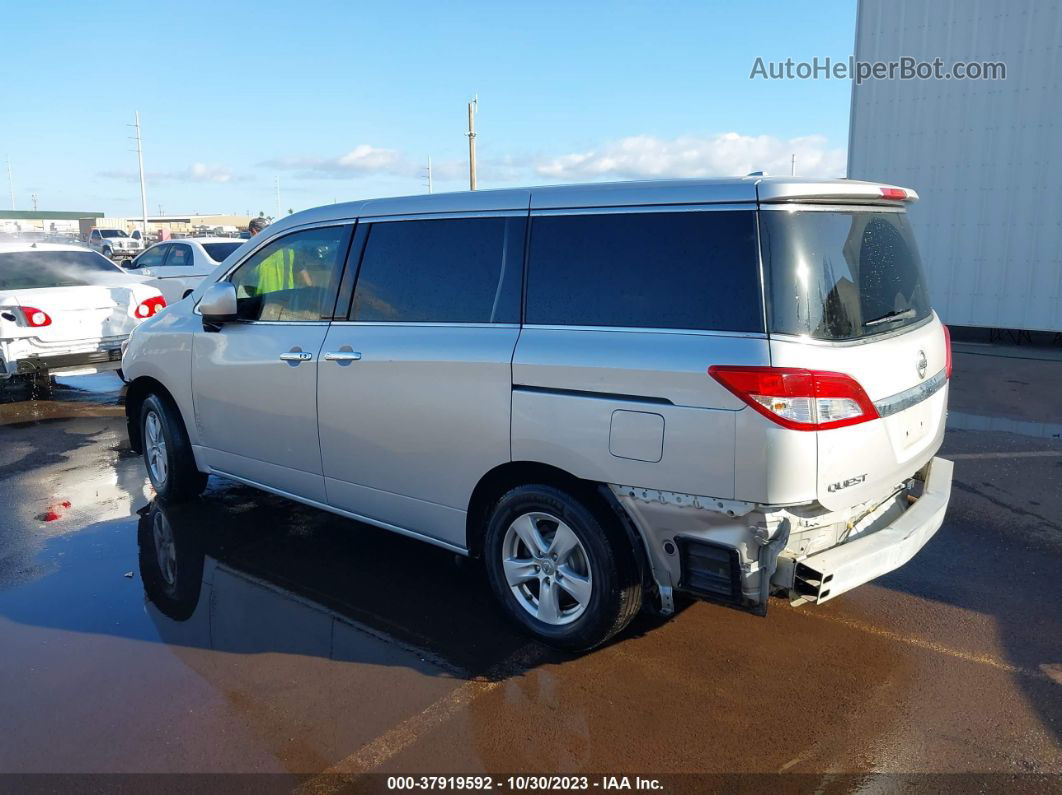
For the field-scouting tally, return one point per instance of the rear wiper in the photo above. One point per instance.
(890, 316)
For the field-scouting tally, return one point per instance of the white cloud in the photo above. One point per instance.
(361, 160)
(726, 154)
(197, 172)
(201, 172)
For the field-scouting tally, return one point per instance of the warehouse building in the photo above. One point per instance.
(16, 222)
(983, 154)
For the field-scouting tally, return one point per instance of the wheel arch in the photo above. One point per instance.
(136, 392)
(597, 496)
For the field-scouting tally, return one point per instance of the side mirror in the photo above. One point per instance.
(218, 305)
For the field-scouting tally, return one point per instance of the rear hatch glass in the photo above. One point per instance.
(30, 270)
(841, 274)
(853, 278)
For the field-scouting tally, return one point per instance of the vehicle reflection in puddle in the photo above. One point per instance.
(235, 579)
(960, 421)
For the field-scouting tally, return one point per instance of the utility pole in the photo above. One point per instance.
(428, 174)
(473, 106)
(143, 186)
(792, 166)
(277, 178)
(11, 183)
(33, 198)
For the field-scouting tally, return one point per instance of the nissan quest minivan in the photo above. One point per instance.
(610, 393)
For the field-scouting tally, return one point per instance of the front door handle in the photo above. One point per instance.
(296, 356)
(343, 356)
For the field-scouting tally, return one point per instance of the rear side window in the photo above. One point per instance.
(677, 270)
(842, 275)
(218, 251)
(451, 270)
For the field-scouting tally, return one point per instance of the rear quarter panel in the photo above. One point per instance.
(569, 384)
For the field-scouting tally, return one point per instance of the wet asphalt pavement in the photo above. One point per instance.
(286, 640)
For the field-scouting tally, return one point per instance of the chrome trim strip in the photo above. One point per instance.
(434, 216)
(756, 335)
(901, 401)
(644, 208)
(348, 514)
(424, 324)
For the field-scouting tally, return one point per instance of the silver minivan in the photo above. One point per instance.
(608, 393)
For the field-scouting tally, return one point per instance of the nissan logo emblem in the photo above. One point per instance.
(923, 364)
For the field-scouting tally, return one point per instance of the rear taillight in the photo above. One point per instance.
(151, 306)
(894, 194)
(35, 318)
(947, 351)
(803, 400)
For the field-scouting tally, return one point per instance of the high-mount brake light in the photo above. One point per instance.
(151, 306)
(802, 400)
(894, 194)
(35, 318)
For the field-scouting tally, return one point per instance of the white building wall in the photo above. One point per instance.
(985, 156)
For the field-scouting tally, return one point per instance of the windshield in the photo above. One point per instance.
(113, 233)
(27, 270)
(841, 275)
(218, 251)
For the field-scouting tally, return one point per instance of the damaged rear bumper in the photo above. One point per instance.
(740, 553)
(824, 575)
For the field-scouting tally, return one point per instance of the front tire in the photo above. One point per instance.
(559, 572)
(168, 453)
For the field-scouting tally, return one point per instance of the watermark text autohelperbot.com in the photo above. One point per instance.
(903, 68)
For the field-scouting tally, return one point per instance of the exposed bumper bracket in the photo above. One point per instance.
(832, 572)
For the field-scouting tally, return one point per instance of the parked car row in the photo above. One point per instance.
(177, 266)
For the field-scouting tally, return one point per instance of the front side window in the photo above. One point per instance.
(152, 258)
(842, 275)
(449, 270)
(292, 278)
(665, 270)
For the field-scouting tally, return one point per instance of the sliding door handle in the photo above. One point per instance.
(343, 356)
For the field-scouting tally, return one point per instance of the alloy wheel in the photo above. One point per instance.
(547, 568)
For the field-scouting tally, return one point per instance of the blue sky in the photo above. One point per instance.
(346, 100)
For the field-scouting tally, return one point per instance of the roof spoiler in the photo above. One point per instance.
(834, 192)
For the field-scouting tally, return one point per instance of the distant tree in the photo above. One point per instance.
(290, 211)
(261, 214)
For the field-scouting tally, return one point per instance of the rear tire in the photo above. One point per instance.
(168, 454)
(560, 573)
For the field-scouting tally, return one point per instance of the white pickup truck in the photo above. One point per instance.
(114, 243)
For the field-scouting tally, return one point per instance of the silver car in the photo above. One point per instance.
(608, 393)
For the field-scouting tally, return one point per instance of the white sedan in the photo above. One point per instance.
(65, 309)
(177, 266)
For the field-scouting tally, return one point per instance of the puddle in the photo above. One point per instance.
(960, 421)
